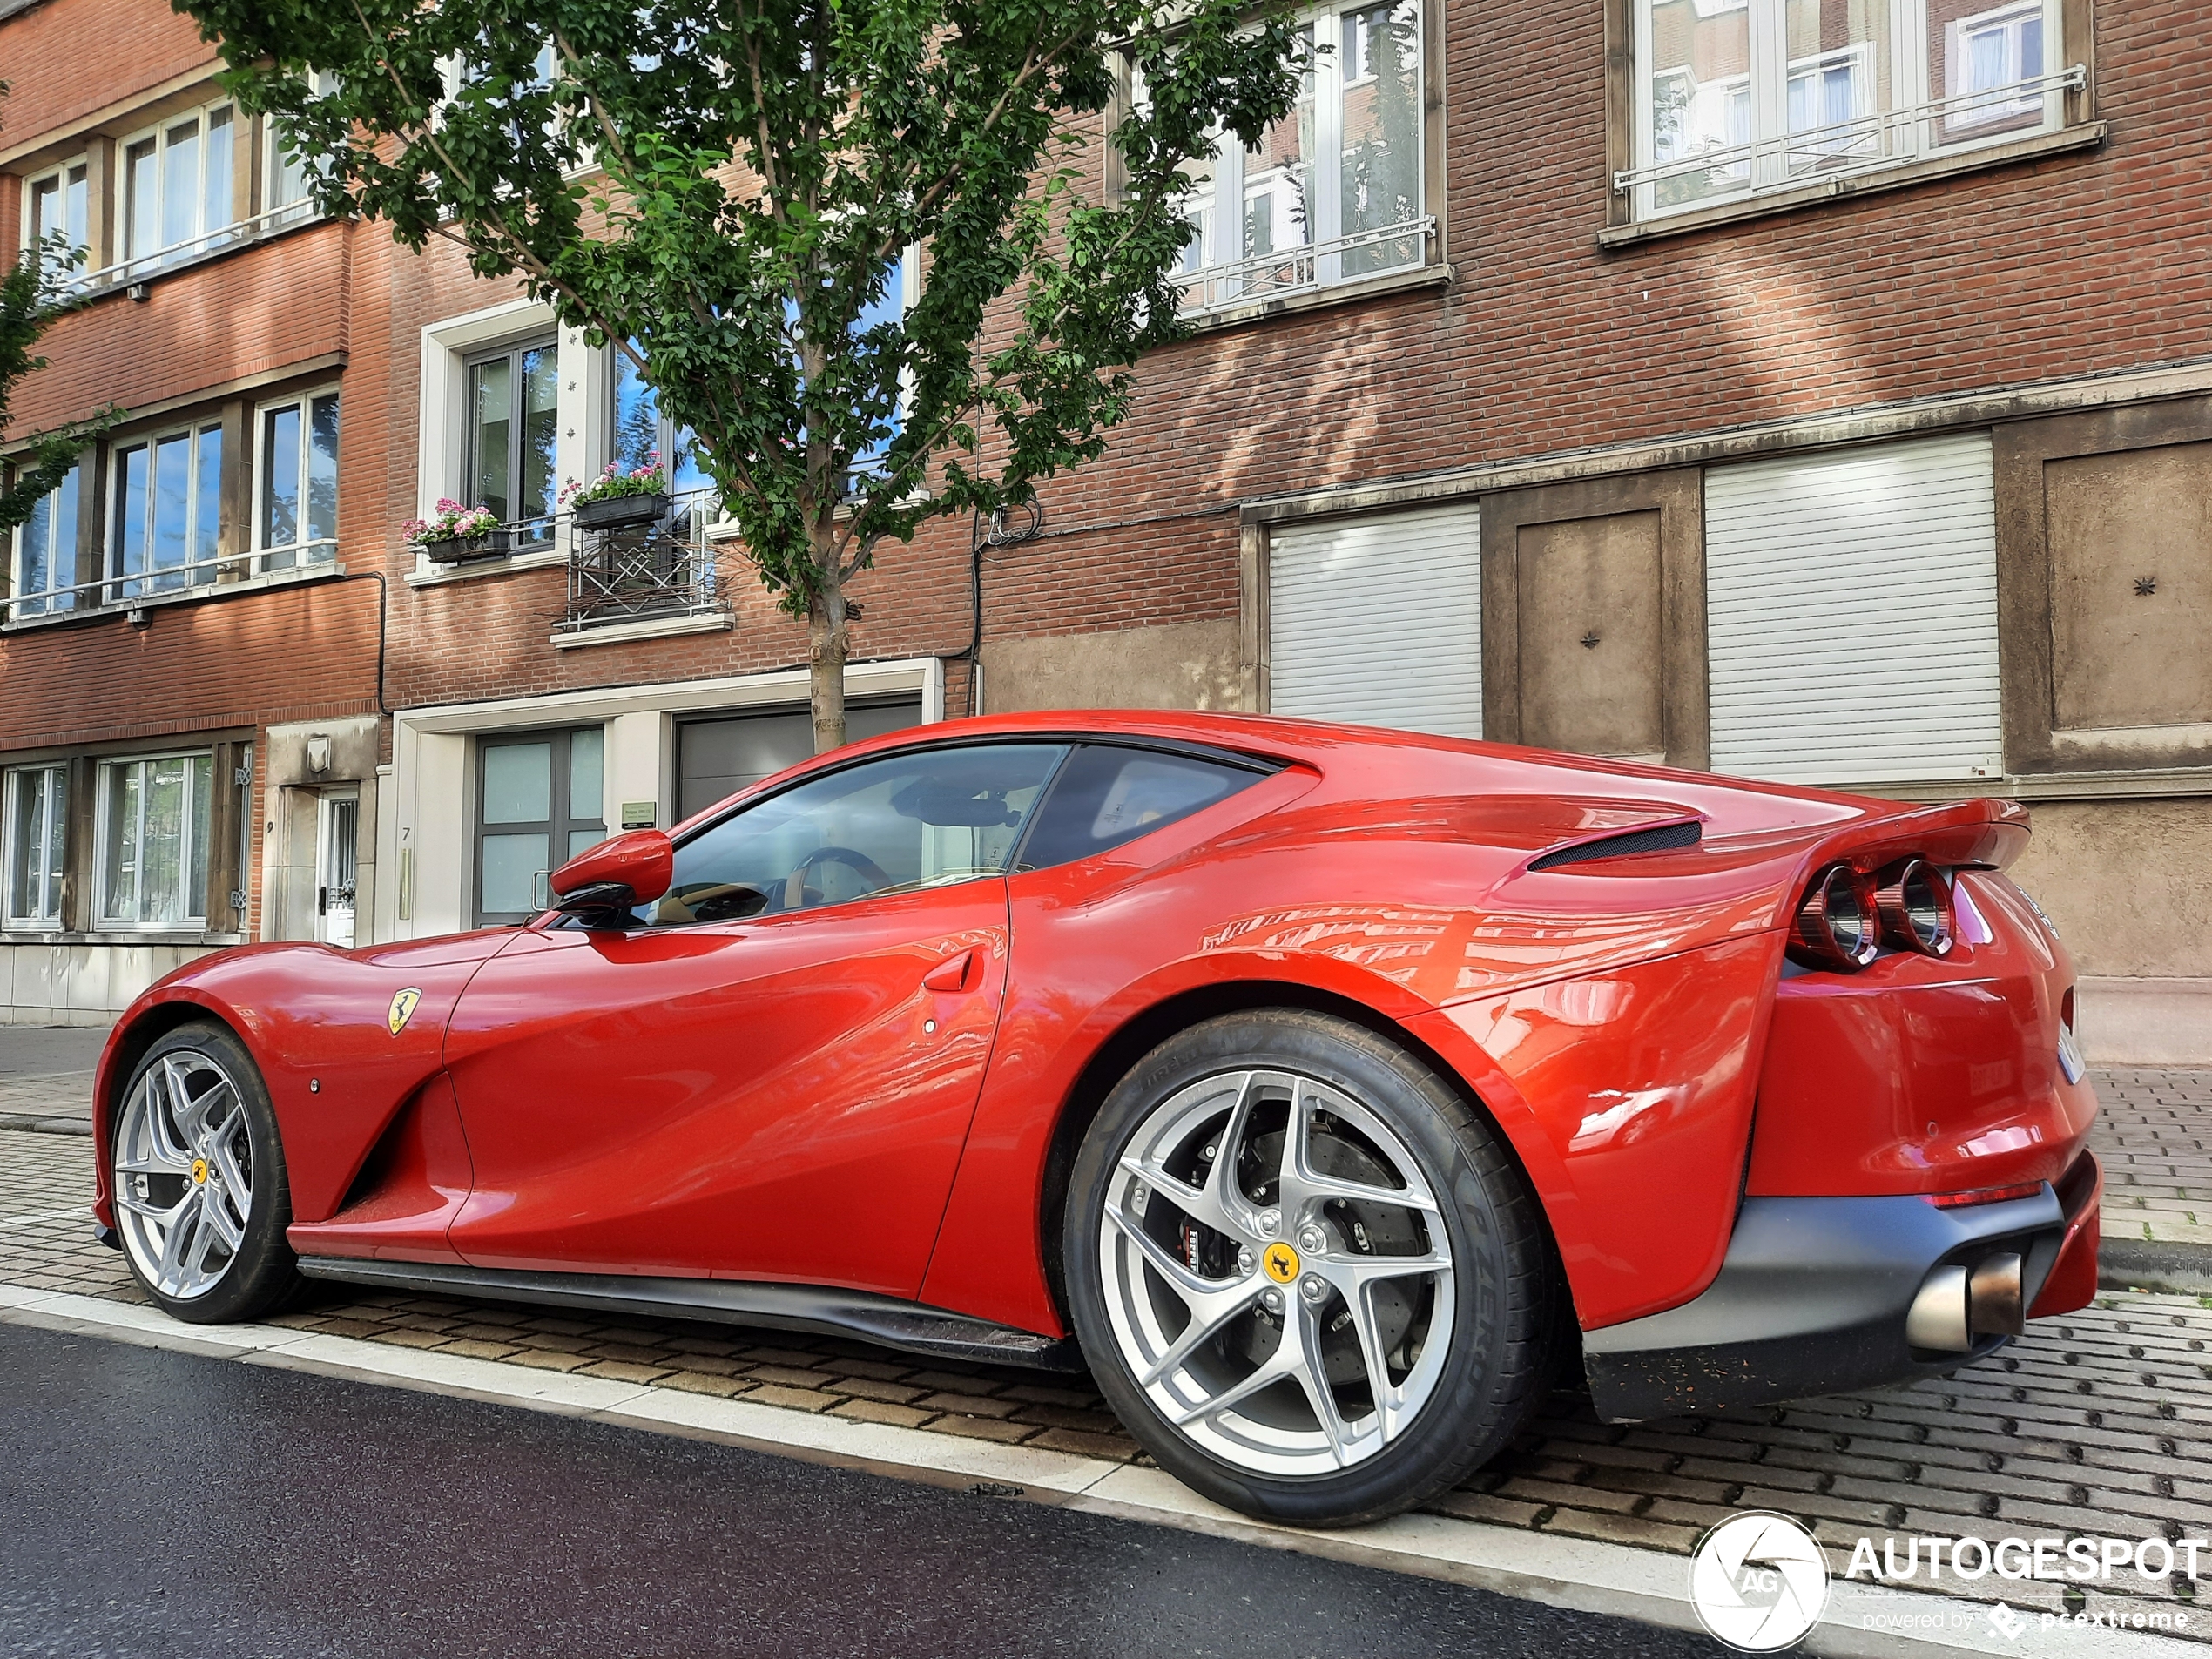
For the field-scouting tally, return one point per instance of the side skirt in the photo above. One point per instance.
(880, 1320)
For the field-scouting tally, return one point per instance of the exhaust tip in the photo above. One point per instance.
(1993, 1298)
(1937, 1319)
(1956, 1306)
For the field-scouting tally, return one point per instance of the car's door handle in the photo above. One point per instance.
(954, 974)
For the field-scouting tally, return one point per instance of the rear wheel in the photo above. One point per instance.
(201, 1200)
(1304, 1271)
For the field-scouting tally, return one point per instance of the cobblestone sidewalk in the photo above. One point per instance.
(2154, 1137)
(2100, 1424)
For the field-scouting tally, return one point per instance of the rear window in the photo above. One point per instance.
(1105, 796)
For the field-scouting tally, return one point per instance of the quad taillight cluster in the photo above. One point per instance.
(1848, 915)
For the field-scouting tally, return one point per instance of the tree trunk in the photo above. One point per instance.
(826, 647)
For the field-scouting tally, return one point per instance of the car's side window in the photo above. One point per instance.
(914, 820)
(1107, 794)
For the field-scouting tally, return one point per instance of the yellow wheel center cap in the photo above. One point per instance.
(198, 1170)
(1280, 1262)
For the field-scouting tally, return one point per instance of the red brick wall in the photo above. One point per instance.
(251, 312)
(1543, 343)
(66, 58)
(293, 653)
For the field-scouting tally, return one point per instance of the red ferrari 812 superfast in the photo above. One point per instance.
(1327, 1091)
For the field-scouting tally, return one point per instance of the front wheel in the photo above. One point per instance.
(1304, 1270)
(201, 1200)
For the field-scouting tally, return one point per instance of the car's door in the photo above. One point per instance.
(769, 1074)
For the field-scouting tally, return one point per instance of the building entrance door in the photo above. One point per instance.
(337, 851)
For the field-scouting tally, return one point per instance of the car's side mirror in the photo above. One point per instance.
(616, 876)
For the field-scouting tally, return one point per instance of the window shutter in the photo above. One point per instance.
(1851, 612)
(1378, 620)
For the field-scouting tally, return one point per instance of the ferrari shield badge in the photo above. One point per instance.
(403, 1008)
(1281, 1262)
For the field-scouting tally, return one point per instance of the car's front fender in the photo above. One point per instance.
(342, 1038)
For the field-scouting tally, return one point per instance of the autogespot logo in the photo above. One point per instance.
(1759, 1581)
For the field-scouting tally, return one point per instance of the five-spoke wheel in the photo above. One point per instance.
(200, 1197)
(1304, 1270)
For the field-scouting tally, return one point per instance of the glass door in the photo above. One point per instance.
(337, 854)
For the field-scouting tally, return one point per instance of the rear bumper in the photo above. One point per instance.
(1812, 1298)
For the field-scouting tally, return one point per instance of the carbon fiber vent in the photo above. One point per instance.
(1660, 838)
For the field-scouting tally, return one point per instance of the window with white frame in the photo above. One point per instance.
(1735, 99)
(901, 290)
(640, 436)
(295, 495)
(35, 802)
(165, 504)
(512, 436)
(1333, 192)
(540, 801)
(289, 172)
(1989, 58)
(176, 194)
(46, 552)
(151, 868)
(58, 217)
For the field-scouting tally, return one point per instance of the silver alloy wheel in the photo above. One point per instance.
(184, 1173)
(1277, 1272)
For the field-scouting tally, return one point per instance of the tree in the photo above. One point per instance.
(28, 305)
(722, 189)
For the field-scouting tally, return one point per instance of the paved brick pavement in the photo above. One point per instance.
(2154, 1137)
(2098, 1425)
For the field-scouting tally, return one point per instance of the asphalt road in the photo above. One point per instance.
(164, 1504)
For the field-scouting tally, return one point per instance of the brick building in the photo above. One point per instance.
(1812, 389)
(189, 649)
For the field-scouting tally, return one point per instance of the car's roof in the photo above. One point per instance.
(1468, 764)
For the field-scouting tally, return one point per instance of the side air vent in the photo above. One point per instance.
(1660, 838)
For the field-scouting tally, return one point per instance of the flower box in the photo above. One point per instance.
(620, 512)
(459, 549)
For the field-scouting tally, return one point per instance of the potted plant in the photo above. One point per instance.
(618, 500)
(456, 533)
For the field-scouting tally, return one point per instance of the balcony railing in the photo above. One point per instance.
(1864, 144)
(1314, 265)
(657, 570)
(128, 589)
(145, 266)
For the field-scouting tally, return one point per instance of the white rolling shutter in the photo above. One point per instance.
(1851, 610)
(1378, 620)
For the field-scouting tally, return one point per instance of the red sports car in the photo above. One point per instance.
(1326, 1085)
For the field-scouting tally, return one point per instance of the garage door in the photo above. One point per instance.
(718, 755)
(1378, 620)
(1852, 611)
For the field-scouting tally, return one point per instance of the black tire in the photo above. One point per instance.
(1497, 1364)
(262, 1273)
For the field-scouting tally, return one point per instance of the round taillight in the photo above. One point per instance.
(1837, 926)
(1913, 900)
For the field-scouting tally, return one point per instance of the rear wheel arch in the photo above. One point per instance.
(1114, 1058)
